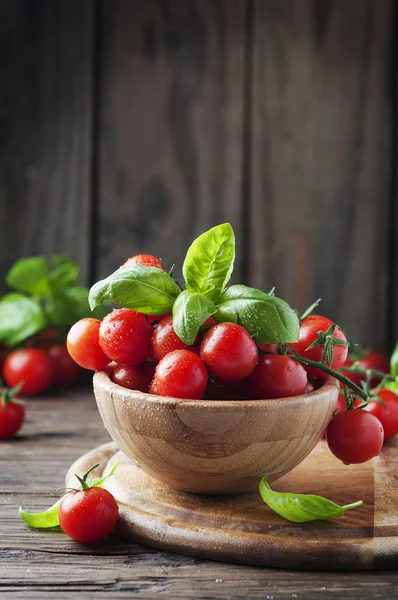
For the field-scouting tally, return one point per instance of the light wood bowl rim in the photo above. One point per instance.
(102, 379)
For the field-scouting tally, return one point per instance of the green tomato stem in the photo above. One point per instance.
(370, 372)
(322, 367)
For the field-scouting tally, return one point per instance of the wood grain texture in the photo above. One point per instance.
(214, 446)
(170, 126)
(36, 564)
(45, 129)
(321, 135)
(241, 529)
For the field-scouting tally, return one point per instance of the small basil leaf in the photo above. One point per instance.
(20, 317)
(301, 508)
(64, 272)
(145, 289)
(29, 275)
(190, 311)
(267, 318)
(394, 362)
(43, 520)
(209, 261)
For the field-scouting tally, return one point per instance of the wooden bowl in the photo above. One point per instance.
(214, 446)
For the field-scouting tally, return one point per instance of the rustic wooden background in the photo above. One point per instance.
(131, 126)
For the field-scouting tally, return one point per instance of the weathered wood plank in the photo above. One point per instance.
(45, 129)
(320, 157)
(37, 563)
(171, 125)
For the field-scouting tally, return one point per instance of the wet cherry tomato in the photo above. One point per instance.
(165, 339)
(308, 334)
(355, 436)
(277, 376)
(130, 377)
(83, 345)
(125, 336)
(88, 515)
(181, 374)
(229, 352)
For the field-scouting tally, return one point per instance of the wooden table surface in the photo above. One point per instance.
(48, 564)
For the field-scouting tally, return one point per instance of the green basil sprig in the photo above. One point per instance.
(207, 269)
(268, 319)
(209, 261)
(144, 289)
(190, 311)
(20, 317)
(301, 508)
(47, 295)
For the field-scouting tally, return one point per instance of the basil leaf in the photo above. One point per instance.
(190, 311)
(43, 520)
(301, 508)
(20, 317)
(394, 362)
(209, 261)
(70, 305)
(29, 275)
(268, 319)
(64, 272)
(145, 289)
(392, 386)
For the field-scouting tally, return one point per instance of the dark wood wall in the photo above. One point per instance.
(131, 126)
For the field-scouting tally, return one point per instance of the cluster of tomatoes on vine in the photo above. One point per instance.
(225, 363)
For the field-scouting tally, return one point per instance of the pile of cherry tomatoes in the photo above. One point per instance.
(226, 363)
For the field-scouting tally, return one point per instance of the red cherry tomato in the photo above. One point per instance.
(32, 368)
(130, 377)
(308, 334)
(181, 374)
(125, 336)
(229, 352)
(165, 339)
(144, 259)
(66, 370)
(277, 376)
(12, 416)
(355, 436)
(89, 515)
(83, 345)
(388, 414)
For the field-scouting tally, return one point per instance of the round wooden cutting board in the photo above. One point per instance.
(242, 529)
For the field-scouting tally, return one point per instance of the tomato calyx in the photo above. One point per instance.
(9, 395)
(328, 341)
(88, 484)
